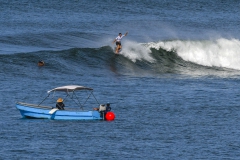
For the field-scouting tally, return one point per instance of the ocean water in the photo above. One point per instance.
(174, 88)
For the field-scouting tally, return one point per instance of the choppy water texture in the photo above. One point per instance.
(174, 88)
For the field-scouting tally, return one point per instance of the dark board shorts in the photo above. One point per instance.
(118, 43)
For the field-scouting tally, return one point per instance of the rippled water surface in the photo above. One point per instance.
(174, 89)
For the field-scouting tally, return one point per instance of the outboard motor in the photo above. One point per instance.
(108, 108)
(105, 112)
(102, 110)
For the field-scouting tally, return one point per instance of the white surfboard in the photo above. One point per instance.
(53, 111)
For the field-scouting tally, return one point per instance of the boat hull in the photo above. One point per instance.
(46, 112)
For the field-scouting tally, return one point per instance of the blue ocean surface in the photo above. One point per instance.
(174, 88)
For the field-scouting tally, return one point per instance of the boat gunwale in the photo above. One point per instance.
(33, 105)
(49, 108)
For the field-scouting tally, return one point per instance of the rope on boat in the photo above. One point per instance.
(81, 106)
(95, 98)
(44, 99)
(86, 99)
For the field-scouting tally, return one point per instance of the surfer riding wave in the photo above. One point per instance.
(118, 42)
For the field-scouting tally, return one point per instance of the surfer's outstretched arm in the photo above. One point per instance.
(126, 34)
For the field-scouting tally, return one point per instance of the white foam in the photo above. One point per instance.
(220, 53)
(135, 51)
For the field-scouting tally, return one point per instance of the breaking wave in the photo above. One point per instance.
(208, 57)
(216, 53)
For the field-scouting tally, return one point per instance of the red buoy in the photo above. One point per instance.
(110, 116)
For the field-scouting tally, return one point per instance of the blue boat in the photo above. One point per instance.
(28, 110)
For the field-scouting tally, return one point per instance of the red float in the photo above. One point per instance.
(110, 116)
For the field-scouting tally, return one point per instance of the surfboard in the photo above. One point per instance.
(119, 51)
(53, 111)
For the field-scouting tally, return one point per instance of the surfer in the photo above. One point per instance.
(118, 41)
(40, 63)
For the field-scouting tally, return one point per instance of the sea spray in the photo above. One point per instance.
(136, 51)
